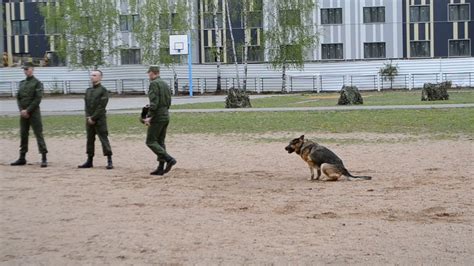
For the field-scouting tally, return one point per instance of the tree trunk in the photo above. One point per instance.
(170, 32)
(218, 46)
(283, 79)
(246, 44)
(175, 82)
(233, 44)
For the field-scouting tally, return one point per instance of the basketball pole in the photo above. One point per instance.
(190, 65)
(190, 48)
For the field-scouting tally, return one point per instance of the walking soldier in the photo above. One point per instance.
(158, 119)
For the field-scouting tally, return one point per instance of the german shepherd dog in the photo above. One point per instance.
(321, 158)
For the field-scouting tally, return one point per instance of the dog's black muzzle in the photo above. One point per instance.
(289, 149)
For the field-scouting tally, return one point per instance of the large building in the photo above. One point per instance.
(348, 30)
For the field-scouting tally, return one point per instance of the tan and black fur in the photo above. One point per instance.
(320, 158)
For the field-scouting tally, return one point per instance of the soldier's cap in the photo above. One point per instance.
(27, 65)
(154, 69)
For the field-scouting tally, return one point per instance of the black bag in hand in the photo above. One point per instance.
(144, 113)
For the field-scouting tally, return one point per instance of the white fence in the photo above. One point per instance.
(316, 77)
(316, 83)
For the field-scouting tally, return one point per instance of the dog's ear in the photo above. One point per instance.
(302, 137)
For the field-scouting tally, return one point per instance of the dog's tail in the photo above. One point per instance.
(354, 176)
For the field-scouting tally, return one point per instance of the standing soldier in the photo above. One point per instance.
(96, 100)
(157, 120)
(29, 99)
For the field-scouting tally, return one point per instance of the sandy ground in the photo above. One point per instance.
(233, 200)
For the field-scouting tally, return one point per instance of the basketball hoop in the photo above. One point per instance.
(178, 45)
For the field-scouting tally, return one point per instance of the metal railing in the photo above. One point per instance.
(313, 83)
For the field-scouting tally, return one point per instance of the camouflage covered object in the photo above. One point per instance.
(237, 99)
(350, 95)
(435, 91)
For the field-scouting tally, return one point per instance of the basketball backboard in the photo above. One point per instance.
(179, 45)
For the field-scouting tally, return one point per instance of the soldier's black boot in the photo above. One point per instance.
(20, 161)
(160, 170)
(109, 162)
(87, 164)
(44, 161)
(170, 162)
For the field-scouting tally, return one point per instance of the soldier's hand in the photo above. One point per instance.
(147, 121)
(24, 114)
(90, 121)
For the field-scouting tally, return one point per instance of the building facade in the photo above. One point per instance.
(360, 29)
(438, 28)
(347, 29)
(24, 37)
(253, 28)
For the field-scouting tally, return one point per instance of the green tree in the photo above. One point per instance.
(234, 52)
(216, 8)
(251, 16)
(84, 30)
(389, 72)
(158, 20)
(289, 33)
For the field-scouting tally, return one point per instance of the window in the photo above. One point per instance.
(459, 12)
(290, 17)
(134, 21)
(459, 48)
(177, 19)
(255, 35)
(255, 54)
(123, 22)
(331, 16)
(332, 51)
(210, 54)
(165, 21)
(51, 27)
(130, 56)
(255, 19)
(209, 20)
(419, 13)
(127, 22)
(20, 27)
(374, 14)
(420, 49)
(374, 50)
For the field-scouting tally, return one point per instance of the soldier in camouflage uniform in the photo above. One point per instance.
(158, 119)
(29, 98)
(96, 100)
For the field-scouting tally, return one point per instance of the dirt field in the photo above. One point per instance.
(235, 200)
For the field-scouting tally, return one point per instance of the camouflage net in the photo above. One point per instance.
(237, 99)
(435, 91)
(350, 95)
